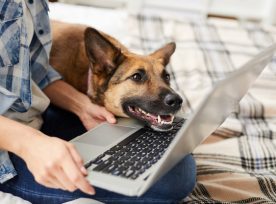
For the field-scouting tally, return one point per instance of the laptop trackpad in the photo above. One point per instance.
(105, 135)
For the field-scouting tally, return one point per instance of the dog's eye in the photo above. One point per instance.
(139, 76)
(136, 77)
(167, 77)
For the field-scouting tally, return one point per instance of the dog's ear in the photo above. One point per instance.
(163, 54)
(101, 52)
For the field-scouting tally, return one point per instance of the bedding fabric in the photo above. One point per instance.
(236, 164)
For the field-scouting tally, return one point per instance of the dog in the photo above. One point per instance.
(127, 84)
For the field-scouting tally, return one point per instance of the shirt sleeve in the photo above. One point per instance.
(51, 76)
(7, 100)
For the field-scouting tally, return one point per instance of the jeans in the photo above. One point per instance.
(171, 188)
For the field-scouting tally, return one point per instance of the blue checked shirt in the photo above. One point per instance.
(21, 61)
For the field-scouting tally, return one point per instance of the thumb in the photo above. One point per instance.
(108, 116)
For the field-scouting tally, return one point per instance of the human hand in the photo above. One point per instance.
(55, 163)
(91, 114)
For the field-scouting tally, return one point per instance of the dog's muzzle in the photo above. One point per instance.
(158, 114)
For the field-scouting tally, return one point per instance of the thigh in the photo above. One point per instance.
(171, 188)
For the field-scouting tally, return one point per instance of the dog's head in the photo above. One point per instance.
(131, 85)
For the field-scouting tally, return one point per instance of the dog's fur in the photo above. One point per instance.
(124, 82)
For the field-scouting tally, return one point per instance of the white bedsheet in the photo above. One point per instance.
(7, 198)
(111, 21)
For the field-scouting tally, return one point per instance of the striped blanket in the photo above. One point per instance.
(237, 163)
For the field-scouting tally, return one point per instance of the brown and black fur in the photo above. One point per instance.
(77, 48)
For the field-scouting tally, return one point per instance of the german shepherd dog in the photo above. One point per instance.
(127, 84)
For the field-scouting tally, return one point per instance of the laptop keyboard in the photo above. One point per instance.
(137, 153)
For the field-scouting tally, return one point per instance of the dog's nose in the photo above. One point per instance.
(173, 100)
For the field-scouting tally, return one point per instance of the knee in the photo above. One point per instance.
(186, 178)
(178, 182)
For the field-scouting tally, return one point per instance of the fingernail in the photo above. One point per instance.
(91, 192)
(83, 170)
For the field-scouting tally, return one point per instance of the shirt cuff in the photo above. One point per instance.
(51, 76)
(7, 169)
(7, 99)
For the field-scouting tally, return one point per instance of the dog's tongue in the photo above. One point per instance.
(167, 118)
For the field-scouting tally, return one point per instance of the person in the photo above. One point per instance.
(37, 163)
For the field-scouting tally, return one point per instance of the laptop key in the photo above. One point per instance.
(110, 152)
(87, 165)
(102, 165)
(97, 161)
(137, 158)
(109, 168)
(116, 148)
(100, 156)
(134, 176)
(116, 172)
(137, 167)
(128, 173)
(123, 158)
(129, 163)
(142, 154)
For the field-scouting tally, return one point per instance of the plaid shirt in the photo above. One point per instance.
(21, 62)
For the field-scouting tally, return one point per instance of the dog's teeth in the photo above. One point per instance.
(142, 111)
(159, 118)
(172, 118)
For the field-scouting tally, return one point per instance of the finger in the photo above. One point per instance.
(56, 184)
(90, 124)
(72, 171)
(77, 158)
(108, 116)
(50, 183)
(49, 180)
(65, 181)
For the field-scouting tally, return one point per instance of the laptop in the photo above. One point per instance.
(128, 157)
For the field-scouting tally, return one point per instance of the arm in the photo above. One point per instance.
(65, 96)
(53, 162)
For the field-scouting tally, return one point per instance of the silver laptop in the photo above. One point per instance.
(128, 158)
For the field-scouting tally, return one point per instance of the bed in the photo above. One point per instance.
(237, 163)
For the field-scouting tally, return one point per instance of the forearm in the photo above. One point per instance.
(68, 98)
(65, 96)
(15, 136)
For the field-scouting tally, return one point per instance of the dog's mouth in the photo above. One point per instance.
(155, 121)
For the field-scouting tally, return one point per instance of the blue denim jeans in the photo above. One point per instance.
(171, 188)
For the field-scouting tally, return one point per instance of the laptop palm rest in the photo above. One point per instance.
(96, 141)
